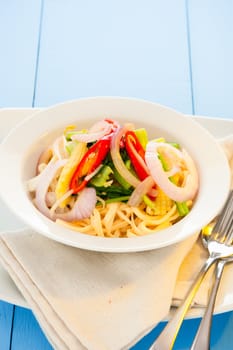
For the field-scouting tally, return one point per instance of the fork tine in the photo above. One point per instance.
(221, 229)
(229, 233)
(227, 222)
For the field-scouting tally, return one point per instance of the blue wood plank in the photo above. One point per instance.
(19, 38)
(27, 334)
(19, 31)
(221, 334)
(211, 44)
(219, 340)
(6, 317)
(127, 48)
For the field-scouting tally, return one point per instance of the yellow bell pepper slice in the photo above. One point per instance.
(68, 171)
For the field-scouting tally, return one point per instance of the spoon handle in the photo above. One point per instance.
(202, 338)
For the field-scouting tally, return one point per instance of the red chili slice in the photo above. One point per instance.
(90, 161)
(136, 154)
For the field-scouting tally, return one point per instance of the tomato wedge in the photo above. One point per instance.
(89, 163)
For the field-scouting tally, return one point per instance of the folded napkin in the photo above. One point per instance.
(97, 301)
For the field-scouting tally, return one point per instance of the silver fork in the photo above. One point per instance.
(202, 338)
(219, 247)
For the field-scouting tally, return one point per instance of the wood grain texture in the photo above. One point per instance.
(6, 318)
(26, 334)
(127, 48)
(19, 32)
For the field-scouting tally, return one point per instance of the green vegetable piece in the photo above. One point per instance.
(101, 178)
(174, 144)
(120, 179)
(70, 147)
(69, 134)
(142, 136)
(164, 162)
(128, 164)
(182, 208)
(113, 191)
(148, 201)
(118, 199)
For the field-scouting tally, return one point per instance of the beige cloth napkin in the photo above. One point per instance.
(96, 301)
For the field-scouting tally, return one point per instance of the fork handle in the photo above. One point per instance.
(202, 338)
(167, 337)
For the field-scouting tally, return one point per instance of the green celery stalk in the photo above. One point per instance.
(69, 134)
(120, 179)
(163, 161)
(148, 201)
(102, 176)
(182, 208)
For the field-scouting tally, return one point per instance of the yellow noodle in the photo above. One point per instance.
(101, 200)
(110, 216)
(154, 220)
(136, 229)
(119, 220)
(76, 227)
(147, 229)
(96, 222)
(130, 234)
(119, 224)
(123, 217)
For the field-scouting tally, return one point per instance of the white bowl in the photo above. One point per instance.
(20, 150)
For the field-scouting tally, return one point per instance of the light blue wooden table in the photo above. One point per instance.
(175, 52)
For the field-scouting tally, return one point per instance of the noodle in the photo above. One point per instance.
(109, 215)
(120, 220)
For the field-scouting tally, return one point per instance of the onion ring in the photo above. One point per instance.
(161, 177)
(117, 160)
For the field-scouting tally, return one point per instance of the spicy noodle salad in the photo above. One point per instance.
(111, 181)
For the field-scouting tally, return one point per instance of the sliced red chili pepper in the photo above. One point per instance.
(136, 154)
(89, 163)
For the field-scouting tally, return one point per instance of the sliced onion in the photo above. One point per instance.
(161, 177)
(56, 203)
(50, 199)
(117, 160)
(33, 183)
(97, 131)
(82, 208)
(143, 188)
(44, 158)
(45, 179)
(174, 170)
(59, 149)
